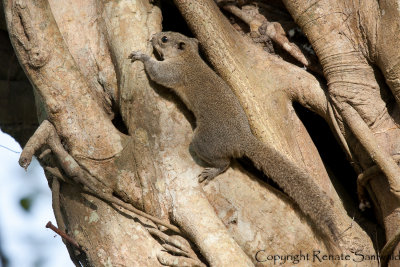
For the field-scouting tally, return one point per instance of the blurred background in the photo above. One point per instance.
(25, 208)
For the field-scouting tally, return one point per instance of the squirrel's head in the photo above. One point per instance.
(173, 44)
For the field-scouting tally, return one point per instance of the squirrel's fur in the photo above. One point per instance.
(222, 128)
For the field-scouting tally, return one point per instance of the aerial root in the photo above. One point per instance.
(179, 248)
(388, 249)
(264, 31)
(46, 134)
(178, 261)
(363, 133)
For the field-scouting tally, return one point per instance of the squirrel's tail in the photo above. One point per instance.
(295, 182)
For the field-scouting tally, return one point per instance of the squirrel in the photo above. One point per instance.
(222, 129)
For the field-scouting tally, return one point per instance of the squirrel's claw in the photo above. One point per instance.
(136, 55)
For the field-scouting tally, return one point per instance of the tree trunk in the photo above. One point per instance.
(115, 146)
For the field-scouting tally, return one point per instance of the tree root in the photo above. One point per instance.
(177, 261)
(179, 248)
(388, 249)
(55, 189)
(46, 135)
(267, 31)
(179, 251)
(381, 158)
(362, 181)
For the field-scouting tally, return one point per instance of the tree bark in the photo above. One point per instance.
(123, 180)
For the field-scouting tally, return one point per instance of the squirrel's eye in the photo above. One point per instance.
(164, 39)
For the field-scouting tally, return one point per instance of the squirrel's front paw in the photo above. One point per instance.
(137, 55)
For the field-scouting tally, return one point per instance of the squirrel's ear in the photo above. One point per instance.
(196, 42)
(181, 45)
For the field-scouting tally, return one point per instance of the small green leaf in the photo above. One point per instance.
(26, 203)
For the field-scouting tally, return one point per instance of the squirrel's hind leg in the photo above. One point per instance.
(210, 149)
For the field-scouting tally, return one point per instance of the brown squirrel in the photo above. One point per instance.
(222, 129)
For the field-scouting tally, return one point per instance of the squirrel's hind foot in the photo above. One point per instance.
(210, 173)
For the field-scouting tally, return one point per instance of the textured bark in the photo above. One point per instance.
(120, 143)
(347, 36)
